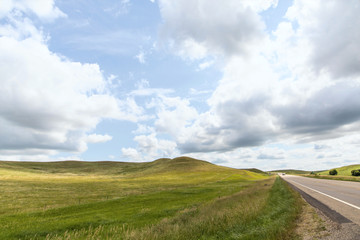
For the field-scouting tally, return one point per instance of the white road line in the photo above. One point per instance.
(349, 204)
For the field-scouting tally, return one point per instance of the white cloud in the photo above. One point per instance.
(201, 27)
(300, 85)
(333, 37)
(143, 89)
(44, 9)
(174, 115)
(97, 138)
(194, 91)
(47, 102)
(119, 8)
(143, 129)
(205, 64)
(260, 5)
(150, 147)
(141, 57)
(279, 94)
(132, 154)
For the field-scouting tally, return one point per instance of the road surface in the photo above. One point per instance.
(343, 197)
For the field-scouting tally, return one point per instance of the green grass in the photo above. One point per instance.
(341, 178)
(81, 200)
(255, 170)
(291, 171)
(342, 171)
(344, 174)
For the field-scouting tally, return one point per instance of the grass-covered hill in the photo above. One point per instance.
(342, 171)
(160, 166)
(255, 170)
(291, 171)
(180, 198)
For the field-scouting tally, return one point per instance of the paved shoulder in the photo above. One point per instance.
(338, 200)
(340, 196)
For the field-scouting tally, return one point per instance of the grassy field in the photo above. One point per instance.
(291, 171)
(255, 170)
(178, 198)
(342, 171)
(344, 174)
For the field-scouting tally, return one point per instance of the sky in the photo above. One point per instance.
(271, 84)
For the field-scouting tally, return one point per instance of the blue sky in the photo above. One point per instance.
(268, 84)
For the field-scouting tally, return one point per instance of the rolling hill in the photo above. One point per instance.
(180, 198)
(82, 168)
(291, 171)
(342, 171)
(255, 170)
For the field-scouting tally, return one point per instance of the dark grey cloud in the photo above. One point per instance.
(236, 129)
(25, 138)
(325, 111)
(241, 123)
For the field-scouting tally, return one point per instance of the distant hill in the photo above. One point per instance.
(160, 166)
(343, 171)
(255, 170)
(291, 171)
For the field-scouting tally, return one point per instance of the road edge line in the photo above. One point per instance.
(327, 211)
(349, 204)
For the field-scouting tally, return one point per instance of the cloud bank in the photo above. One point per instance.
(48, 103)
(298, 84)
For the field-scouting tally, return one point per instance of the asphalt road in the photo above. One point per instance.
(342, 198)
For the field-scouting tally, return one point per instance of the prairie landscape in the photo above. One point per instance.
(93, 92)
(179, 198)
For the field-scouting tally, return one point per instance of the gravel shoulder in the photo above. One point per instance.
(319, 222)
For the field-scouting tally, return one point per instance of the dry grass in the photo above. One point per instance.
(312, 224)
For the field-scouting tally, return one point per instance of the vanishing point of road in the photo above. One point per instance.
(343, 197)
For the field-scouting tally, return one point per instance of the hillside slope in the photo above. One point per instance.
(82, 168)
(291, 171)
(255, 170)
(77, 200)
(343, 171)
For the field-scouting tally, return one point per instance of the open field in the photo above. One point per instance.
(255, 170)
(178, 198)
(291, 171)
(344, 174)
(342, 171)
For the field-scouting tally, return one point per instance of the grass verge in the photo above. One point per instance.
(341, 178)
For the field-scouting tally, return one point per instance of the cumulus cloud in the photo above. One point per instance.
(150, 147)
(44, 9)
(331, 27)
(300, 85)
(201, 27)
(49, 103)
(173, 115)
(132, 154)
(97, 138)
